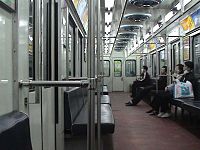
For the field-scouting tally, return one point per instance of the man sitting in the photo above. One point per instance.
(144, 81)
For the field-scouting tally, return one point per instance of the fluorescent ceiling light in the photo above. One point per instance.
(178, 6)
(109, 3)
(194, 33)
(169, 16)
(146, 36)
(155, 28)
(107, 29)
(108, 17)
(185, 2)
(64, 21)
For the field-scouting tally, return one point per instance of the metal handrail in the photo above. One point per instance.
(83, 83)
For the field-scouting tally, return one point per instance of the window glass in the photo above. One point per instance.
(70, 49)
(117, 68)
(154, 65)
(106, 68)
(130, 68)
(162, 58)
(31, 39)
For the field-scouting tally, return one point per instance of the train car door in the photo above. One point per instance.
(6, 63)
(118, 79)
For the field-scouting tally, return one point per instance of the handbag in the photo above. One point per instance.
(183, 90)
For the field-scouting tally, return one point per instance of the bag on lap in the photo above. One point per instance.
(183, 89)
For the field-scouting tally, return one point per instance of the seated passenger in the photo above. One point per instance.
(165, 98)
(155, 104)
(137, 96)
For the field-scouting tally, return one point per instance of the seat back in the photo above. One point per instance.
(15, 132)
(73, 103)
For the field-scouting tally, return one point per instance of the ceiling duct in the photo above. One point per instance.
(137, 17)
(145, 3)
(131, 27)
(119, 49)
(127, 34)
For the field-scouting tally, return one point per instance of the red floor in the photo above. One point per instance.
(136, 130)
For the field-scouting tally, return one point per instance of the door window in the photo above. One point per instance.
(31, 40)
(106, 69)
(117, 68)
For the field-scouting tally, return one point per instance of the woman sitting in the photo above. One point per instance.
(165, 94)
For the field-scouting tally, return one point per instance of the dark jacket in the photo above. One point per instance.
(145, 79)
(188, 77)
(162, 82)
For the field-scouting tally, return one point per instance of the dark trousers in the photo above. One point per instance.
(161, 101)
(136, 85)
(140, 94)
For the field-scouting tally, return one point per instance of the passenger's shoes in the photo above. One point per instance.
(160, 114)
(150, 111)
(153, 113)
(130, 104)
(166, 115)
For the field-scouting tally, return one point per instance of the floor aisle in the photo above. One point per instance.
(136, 130)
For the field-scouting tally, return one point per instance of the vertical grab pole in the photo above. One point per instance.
(98, 76)
(91, 75)
(157, 68)
(167, 52)
(67, 41)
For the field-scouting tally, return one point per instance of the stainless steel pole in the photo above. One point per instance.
(157, 69)
(98, 76)
(67, 41)
(91, 75)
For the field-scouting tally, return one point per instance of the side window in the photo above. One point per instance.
(154, 65)
(162, 58)
(106, 68)
(31, 41)
(130, 68)
(117, 68)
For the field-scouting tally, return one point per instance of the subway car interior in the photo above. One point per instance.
(99, 74)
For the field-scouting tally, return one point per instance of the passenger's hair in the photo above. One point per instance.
(180, 67)
(189, 64)
(145, 67)
(165, 67)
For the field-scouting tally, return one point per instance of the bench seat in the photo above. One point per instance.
(192, 107)
(79, 127)
(104, 90)
(15, 132)
(105, 99)
(76, 113)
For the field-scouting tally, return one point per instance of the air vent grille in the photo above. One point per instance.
(145, 3)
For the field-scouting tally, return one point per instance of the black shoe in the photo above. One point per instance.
(150, 111)
(130, 104)
(153, 113)
(131, 95)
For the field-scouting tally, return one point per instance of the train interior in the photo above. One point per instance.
(67, 69)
